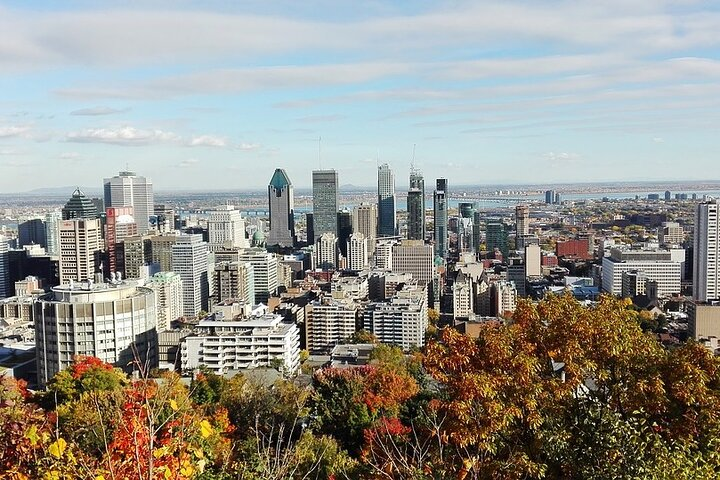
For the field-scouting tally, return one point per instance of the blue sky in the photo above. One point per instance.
(217, 94)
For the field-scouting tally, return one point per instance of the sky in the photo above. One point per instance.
(217, 94)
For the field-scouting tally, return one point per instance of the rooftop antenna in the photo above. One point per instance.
(412, 162)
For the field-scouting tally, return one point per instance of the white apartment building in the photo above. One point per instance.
(357, 248)
(80, 246)
(504, 297)
(402, 320)
(706, 253)
(224, 346)
(326, 256)
(265, 272)
(329, 321)
(169, 294)
(384, 254)
(463, 296)
(662, 266)
(114, 322)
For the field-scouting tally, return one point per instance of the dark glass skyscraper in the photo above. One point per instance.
(345, 229)
(440, 217)
(325, 203)
(79, 207)
(282, 210)
(496, 237)
(386, 201)
(416, 206)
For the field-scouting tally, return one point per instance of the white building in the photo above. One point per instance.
(114, 322)
(706, 253)
(265, 272)
(130, 190)
(414, 257)
(4, 268)
(169, 295)
(383, 254)
(402, 320)
(662, 266)
(463, 296)
(326, 254)
(226, 229)
(329, 321)
(504, 297)
(190, 261)
(533, 261)
(357, 248)
(52, 233)
(80, 247)
(224, 346)
(671, 233)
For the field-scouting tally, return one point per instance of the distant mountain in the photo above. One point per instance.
(64, 191)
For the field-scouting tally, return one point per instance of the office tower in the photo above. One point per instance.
(383, 254)
(190, 261)
(532, 261)
(345, 229)
(161, 251)
(80, 247)
(79, 206)
(326, 252)
(221, 346)
(51, 233)
(32, 232)
(282, 210)
(265, 272)
(169, 295)
(226, 229)
(119, 225)
(357, 249)
(668, 195)
(402, 320)
(127, 189)
(164, 218)
(496, 237)
(558, 198)
(325, 203)
(365, 221)
(4, 268)
(416, 206)
(329, 321)
(466, 209)
(522, 220)
(234, 281)
(115, 323)
(550, 196)
(661, 266)
(137, 257)
(440, 217)
(414, 257)
(476, 231)
(706, 252)
(386, 201)
(309, 228)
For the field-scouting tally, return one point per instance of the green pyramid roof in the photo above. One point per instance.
(280, 179)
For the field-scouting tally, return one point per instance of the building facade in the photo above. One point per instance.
(169, 296)
(190, 261)
(440, 217)
(387, 219)
(325, 203)
(127, 189)
(80, 249)
(226, 229)
(706, 252)
(416, 206)
(281, 202)
(357, 249)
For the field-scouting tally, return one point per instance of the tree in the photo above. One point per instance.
(363, 336)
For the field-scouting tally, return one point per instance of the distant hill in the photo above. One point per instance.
(63, 191)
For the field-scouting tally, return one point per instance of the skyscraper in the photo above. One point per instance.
(326, 252)
(226, 229)
(282, 210)
(80, 247)
(190, 261)
(127, 189)
(345, 229)
(32, 231)
(365, 221)
(325, 203)
(4, 268)
(386, 201)
(51, 233)
(440, 217)
(79, 206)
(357, 249)
(706, 252)
(496, 237)
(119, 225)
(522, 220)
(416, 206)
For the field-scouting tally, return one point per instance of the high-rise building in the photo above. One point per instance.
(549, 196)
(661, 266)
(329, 321)
(119, 225)
(326, 252)
(282, 210)
(386, 201)
(706, 252)
(226, 229)
(32, 232)
(414, 257)
(79, 206)
(4, 268)
(265, 272)
(127, 189)
(52, 232)
(326, 201)
(169, 294)
(357, 249)
(533, 261)
(402, 320)
(345, 229)
(164, 220)
(416, 206)
(440, 217)
(365, 221)
(161, 251)
(190, 261)
(137, 256)
(80, 248)
(466, 209)
(476, 231)
(496, 237)
(115, 323)
(234, 280)
(383, 253)
(522, 221)
(671, 233)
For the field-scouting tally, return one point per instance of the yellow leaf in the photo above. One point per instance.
(205, 429)
(198, 452)
(32, 435)
(57, 448)
(174, 405)
(187, 471)
(100, 477)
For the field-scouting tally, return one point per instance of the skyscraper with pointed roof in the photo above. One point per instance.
(79, 207)
(282, 210)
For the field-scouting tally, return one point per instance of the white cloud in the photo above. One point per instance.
(188, 162)
(207, 141)
(95, 111)
(247, 147)
(70, 156)
(13, 131)
(559, 159)
(122, 136)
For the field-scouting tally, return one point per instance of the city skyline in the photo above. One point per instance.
(89, 91)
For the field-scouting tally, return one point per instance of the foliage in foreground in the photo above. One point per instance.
(561, 392)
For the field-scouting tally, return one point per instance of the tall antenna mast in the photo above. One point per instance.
(412, 162)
